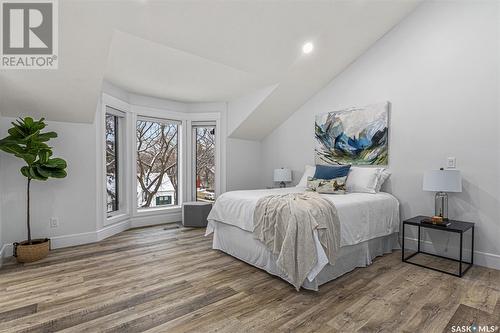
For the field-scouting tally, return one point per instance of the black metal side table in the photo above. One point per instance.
(455, 227)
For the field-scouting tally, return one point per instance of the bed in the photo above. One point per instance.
(369, 226)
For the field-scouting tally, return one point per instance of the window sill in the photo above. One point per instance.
(116, 218)
(158, 211)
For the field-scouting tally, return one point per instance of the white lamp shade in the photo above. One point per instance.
(282, 175)
(443, 181)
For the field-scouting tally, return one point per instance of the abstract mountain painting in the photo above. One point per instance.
(356, 136)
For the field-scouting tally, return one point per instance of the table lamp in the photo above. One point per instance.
(282, 175)
(442, 181)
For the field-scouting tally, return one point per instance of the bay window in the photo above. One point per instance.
(154, 159)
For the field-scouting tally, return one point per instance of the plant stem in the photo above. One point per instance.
(28, 211)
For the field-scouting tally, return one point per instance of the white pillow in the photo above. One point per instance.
(308, 172)
(363, 180)
(383, 176)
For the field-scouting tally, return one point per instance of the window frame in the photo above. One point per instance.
(140, 112)
(194, 157)
(165, 121)
(119, 111)
(118, 171)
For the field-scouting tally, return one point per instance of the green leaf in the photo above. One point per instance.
(54, 173)
(9, 140)
(44, 155)
(28, 121)
(22, 126)
(11, 148)
(46, 136)
(28, 158)
(40, 145)
(35, 175)
(39, 125)
(32, 136)
(25, 171)
(16, 131)
(44, 172)
(57, 163)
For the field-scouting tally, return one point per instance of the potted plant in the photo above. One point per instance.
(27, 142)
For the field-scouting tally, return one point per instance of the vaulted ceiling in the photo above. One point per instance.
(199, 51)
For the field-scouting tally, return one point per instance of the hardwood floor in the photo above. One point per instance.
(159, 280)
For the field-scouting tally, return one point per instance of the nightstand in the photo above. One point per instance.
(458, 227)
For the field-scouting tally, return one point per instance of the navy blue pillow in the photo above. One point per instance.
(330, 172)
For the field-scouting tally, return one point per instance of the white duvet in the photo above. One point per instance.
(363, 216)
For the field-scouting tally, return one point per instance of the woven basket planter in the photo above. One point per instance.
(38, 249)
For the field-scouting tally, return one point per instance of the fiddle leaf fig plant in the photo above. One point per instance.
(27, 142)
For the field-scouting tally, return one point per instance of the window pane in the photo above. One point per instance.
(205, 163)
(112, 163)
(157, 164)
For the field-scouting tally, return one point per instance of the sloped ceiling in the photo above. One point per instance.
(199, 51)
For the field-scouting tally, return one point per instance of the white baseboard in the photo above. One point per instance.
(111, 230)
(73, 239)
(484, 259)
(95, 236)
(89, 237)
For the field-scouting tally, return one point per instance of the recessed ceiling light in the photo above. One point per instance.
(307, 47)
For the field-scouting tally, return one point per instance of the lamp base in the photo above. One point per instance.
(441, 205)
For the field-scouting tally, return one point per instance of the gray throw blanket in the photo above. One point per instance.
(285, 224)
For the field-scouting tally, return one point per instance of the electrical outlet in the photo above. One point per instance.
(451, 163)
(54, 222)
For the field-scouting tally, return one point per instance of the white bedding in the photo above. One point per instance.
(363, 216)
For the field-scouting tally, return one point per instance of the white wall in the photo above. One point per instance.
(241, 107)
(243, 164)
(71, 200)
(440, 70)
(244, 156)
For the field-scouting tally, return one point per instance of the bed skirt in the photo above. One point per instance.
(241, 244)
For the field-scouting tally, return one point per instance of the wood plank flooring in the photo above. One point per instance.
(156, 280)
